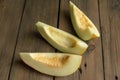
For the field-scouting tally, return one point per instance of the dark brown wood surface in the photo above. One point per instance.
(18, 34)
(110, 31)
(10, 18)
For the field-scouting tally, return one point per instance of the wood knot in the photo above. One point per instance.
(115, 5)
(91, 47)
(116, 77)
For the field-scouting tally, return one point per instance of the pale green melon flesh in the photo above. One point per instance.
(61, 40)
(55, 64)
(82, 24)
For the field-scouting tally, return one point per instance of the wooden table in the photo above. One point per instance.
(18, 34)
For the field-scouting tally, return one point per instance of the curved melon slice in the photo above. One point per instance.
(51, 63)
(82, 24)
(61, 40)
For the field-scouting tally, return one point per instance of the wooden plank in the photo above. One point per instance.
(10, 16)
(110, 17)
(92, 65)
(29, 39)
(66, 25)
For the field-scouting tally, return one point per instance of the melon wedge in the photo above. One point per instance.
(83, 26)
(59, 64)
(61, 40)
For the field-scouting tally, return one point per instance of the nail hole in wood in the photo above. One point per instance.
(85, 65)
(80, 71)
(116, 77)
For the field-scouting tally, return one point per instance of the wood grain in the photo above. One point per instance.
(66, 25)
(92, 64)
(110, 17)
(10, 16)
(29, 39)
(18, 34)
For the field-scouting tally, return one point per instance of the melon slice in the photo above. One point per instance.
(83, 26)
(59, 64)
(61, 40)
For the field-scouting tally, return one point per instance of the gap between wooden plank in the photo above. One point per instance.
(90, 67)
(10, 14)
(101, 39)
(58, 22)
(109, 14)
(35, 11)
(58, 14)
(17, 38)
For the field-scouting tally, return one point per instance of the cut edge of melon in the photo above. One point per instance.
(86, 33)
(68, 68)
(66, 43)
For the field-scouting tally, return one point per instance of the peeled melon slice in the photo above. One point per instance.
(61, 40)
(82, 24)
(59, 64)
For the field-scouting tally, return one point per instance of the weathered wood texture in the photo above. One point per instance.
(91, 68)
(110, 30)
(10, 16)
(29, 40)
(18, 34)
